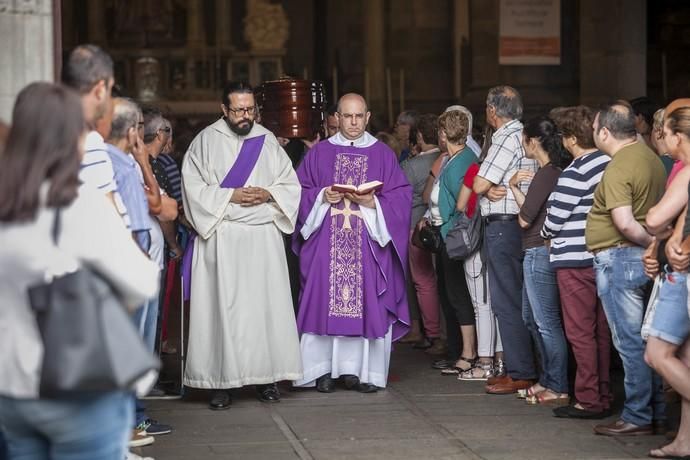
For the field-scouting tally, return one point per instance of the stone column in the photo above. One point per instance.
(461, 35)
(96, 15)
(195, 36)
(613, 50)
(26, 28)
(375, 56)
(223, 18)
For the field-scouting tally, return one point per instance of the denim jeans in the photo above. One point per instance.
(621, 284)
(95, 428)
(146, 320)
(541, 288)
(503, 246)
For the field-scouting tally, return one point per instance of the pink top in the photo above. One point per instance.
(677, 166)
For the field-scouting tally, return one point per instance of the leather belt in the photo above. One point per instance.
(623, 244)
(500, 218)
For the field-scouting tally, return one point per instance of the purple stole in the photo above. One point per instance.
(235, 178)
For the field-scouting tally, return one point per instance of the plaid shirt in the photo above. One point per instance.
(504, 158)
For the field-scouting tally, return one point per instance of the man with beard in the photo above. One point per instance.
(239, 193)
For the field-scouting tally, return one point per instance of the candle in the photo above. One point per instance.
(389, 96)
(402, 90)
(335, 84)
(367, 84)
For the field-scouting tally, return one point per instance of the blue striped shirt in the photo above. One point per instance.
(567, 209)
(174, 178)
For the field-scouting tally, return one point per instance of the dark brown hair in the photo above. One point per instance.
(427, 126)
(42, 146)
(576, 121)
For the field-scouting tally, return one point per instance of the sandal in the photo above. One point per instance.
(534, 390)
(480, 372)
(465, 365)
(543, 398)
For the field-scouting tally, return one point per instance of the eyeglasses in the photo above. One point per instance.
(165, 129)
(242, 110)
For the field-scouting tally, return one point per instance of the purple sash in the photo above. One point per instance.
(235, 178)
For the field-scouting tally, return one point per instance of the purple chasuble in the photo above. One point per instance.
(351, 286)
(236, 177)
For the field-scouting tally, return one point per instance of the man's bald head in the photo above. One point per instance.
(353, 98)
(126, 115)
(353, 116)
(618, 118)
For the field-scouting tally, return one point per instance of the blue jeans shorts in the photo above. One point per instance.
(671, 322)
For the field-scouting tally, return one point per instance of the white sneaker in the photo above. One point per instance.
(133, 456)
(140, 439)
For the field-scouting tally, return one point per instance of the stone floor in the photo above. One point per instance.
(421, 415)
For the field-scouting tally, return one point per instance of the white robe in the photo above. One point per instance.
(368, 359)
(242, 327)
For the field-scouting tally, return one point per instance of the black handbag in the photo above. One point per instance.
(431, 239)
(90, 343)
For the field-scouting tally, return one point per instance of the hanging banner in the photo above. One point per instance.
(530, 32)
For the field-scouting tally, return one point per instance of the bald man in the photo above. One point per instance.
(353, 256)
(632, 183)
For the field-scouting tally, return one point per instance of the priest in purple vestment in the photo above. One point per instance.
(353, 256)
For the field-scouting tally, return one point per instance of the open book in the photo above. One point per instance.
(363, 189)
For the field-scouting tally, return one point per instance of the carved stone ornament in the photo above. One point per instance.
(266, 26)
(147, 76)
(26, 6)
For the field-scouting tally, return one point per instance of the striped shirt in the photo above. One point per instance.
(567, 209)
(96, 167)
(174, 178)
(504, 158)
(97, 172)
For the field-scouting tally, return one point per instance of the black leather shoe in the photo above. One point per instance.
(325, 384)
(442, 364)
(366, 388)
(268, 393)
(352, 383)
(221, 400)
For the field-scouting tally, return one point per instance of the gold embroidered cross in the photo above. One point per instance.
(346, 212)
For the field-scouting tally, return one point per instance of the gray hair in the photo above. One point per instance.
(125, 115)
(506, 100)
(466, 111)
(153, 122)
(408, 117)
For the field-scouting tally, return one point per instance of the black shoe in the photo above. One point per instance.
(366, 388)
(352, 383)
(442, 364)
(574, 412)
(268, 393)
(325, 384)
(221, 400)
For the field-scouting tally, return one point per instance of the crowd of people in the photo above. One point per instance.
(578, 210)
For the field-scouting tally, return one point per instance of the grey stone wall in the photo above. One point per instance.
(26, 28)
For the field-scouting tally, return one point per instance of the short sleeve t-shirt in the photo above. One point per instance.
(635, 177)
(468, 181)
(533, 210)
